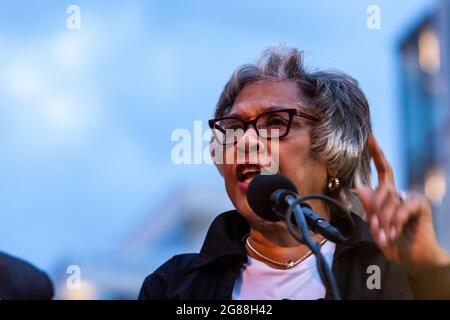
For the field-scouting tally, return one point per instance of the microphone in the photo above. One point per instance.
(270, 196)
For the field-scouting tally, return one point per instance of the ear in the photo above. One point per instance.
(331, 173)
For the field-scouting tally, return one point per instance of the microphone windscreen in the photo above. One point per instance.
(260, 190)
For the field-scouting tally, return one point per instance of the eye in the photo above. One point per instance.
(235, 126)
(276, 120)
(231, 124)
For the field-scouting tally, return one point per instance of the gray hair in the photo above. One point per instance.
(340, 137)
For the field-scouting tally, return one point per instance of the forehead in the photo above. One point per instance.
(260, 96)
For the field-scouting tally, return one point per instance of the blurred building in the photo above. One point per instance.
(177, 224)
(425, 111)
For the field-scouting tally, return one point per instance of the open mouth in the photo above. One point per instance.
(246, 172)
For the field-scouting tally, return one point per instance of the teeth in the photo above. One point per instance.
(247, 170)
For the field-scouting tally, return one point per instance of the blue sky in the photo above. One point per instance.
(86, 115)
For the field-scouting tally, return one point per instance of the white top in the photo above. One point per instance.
(258, 281)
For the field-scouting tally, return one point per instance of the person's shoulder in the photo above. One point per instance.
(19, 279)
(178, 263)
(155, 284)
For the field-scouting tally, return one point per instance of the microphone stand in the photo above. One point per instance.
(324, 270)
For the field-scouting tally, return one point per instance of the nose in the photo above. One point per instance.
(250, 142)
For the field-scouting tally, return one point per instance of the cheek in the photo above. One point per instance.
(238, 199)
(298, 163)
(223, 158)
(228, 173)
(231, 182)
(294, 153)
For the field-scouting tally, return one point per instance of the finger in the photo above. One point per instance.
(374, 227)
(382, 239)
(413, 206)
(379, 198)
(384, 169)
(365, 195)
(387, 213)
(405, 212)
(379, 236)
(377, 233)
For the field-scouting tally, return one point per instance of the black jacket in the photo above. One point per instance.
(211, 274)
(19, 280)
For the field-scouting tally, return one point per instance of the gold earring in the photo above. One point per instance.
(333, 184)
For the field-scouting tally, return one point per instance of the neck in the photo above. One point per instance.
(273, 239)
(276, 234)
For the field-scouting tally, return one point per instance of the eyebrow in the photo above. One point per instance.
(271, 108)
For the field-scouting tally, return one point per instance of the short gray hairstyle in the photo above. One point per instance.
(340, 137)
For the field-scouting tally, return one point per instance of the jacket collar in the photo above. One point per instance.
(224, 238)
(357, 231)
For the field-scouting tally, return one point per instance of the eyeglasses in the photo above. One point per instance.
(268, 125)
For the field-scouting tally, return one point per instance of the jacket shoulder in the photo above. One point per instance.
(155, 285)
(22, 280)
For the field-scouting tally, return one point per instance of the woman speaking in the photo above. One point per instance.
(321, 121)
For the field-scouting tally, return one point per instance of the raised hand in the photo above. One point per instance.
(401, 224)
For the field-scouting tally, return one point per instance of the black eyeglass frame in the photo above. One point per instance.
(247, 123)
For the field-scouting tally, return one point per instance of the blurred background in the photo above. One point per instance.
(91, 92)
